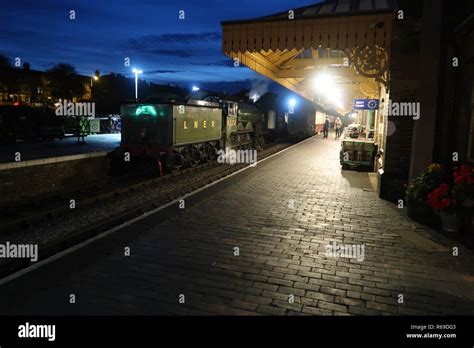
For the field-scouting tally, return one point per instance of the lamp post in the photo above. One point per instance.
(136, 72)
(93, 78)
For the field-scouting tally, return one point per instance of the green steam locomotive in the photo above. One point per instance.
(173, 134)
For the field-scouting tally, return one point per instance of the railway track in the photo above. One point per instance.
(56, 227)
(17, 218)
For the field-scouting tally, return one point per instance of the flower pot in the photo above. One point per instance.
(421, 212)
(449, 222)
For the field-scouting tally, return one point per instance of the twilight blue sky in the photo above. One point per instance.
(104, 32)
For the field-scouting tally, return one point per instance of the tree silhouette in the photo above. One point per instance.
(64, 81)
(5, 62)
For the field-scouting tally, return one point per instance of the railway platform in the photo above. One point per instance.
(262, 242)
(33, 170)
(57, 148)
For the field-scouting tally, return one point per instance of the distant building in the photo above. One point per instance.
(23, 86)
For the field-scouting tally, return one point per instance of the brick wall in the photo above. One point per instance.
(461, 117)
(35, 181)
(404, 64)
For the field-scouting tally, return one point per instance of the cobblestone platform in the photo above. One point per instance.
(281, 215)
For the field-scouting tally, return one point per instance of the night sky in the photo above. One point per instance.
(168, 49)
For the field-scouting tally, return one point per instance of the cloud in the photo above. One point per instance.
(180, 45)
(223, 62)
(227, 86)
(162, 71)
(172, 52)
(173, 38)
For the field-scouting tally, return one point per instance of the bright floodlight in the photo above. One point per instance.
(195, 88)
(137, 71)
(322, 81)
(292, 102)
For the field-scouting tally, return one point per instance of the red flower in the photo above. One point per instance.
(465, 169)
(445, 202)
(459, 180)
(435, 204)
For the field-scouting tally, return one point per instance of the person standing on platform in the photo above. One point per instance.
(326, 128)
(337, 127)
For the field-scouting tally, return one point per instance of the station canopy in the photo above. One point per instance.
(330, 52)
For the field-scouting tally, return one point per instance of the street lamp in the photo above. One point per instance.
(195, 88)
(94, 78)
(136, 72)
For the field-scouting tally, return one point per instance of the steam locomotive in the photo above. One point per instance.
(175, 133)
(171, 132)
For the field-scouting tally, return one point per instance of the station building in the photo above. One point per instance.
(410, 54)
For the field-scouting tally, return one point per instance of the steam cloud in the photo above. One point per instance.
(258, 88)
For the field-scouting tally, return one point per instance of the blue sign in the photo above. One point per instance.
(366, 104)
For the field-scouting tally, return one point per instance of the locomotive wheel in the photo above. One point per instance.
(175, 163)
(211, 153)
(205, 154)
(216, 152)
(195, 157)
(174, 168)
(149, 165)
